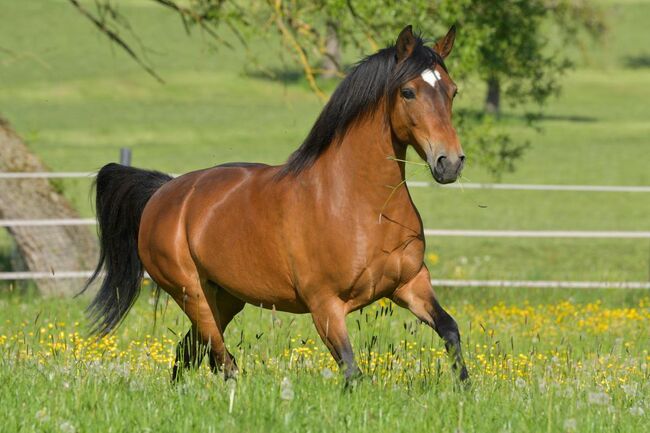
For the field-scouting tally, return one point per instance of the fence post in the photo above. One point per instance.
(125, 156)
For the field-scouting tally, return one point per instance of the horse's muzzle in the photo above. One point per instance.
(447, 169)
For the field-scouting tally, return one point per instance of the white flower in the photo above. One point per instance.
(520, 383)
(286, 389)
(636, 411)
(67, 427)
(42, 415)
(327, 373)
(630, 390)
(599, 398)
(570, 425)
(542, 386)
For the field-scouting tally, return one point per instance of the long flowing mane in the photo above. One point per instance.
(373, 79)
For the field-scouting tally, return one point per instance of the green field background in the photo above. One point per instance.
(76, 100)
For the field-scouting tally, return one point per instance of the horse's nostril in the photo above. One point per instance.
(462, 158)
(440, 162)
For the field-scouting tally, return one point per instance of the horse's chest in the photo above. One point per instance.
(387, 268)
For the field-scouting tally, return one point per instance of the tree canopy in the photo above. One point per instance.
(517, 47)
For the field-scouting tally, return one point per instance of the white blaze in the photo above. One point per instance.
(431, 77)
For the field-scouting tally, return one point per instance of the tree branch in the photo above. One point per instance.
(300, 52)
(115, 38)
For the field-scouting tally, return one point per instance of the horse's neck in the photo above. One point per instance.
(364, 167)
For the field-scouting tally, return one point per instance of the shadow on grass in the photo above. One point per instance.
(566, 118)
(291, 76)
(637, 62)
(7, 252)
(531, 117)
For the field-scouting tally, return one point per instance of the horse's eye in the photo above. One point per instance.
(408, 94)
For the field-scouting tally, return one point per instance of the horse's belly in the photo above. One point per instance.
(247, 268)
(272, 298)
(255, 277)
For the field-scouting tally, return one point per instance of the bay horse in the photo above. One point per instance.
(329, 232)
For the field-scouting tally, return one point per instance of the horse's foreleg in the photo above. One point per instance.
(329, 319)
(418, 296)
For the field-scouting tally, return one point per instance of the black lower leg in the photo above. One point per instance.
(348, 365)
(229, 365)
(189, 353)
(447, 329)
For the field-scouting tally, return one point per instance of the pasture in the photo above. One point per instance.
(553, 360)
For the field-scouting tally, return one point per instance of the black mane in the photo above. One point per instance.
(373, 78)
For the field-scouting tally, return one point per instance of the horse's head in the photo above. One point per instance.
(420, 109)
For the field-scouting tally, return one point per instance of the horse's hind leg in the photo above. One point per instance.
(418, 296)
(189, 353)
(210, 309)
(225, 308)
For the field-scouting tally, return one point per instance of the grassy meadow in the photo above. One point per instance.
(549, 364)
(540, 360)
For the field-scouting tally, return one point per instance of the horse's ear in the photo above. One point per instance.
(444, 45)
(405, 43)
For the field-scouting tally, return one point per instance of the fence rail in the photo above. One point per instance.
(577, 234)
(639, 285)
(533, 187)
(48, 222)
(10, 276)
(414, 184)
(532, 284)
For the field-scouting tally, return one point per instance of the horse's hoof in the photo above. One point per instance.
(231, 373)
(352, 380)
(465, 382)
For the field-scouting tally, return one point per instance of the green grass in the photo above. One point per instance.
(76, 100)
(538, 362)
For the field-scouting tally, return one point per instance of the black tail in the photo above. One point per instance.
(122, 193)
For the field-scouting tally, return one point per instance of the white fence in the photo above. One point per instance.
(576, 234)
(414, 184)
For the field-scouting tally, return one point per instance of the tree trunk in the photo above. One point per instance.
(493, 97)
(42, 249)
(332, 60)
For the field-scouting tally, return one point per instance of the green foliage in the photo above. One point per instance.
(489, 143)
(508, 41)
